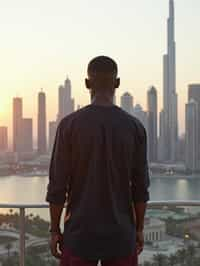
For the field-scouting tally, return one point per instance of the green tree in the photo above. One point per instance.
(191, 252)
(11, 211)
(147, 263)
(160, 260)
(11, 261)
(181, 256)
(172, 260)
(31, 216)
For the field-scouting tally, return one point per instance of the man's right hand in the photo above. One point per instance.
(56, 245)
(139, 242)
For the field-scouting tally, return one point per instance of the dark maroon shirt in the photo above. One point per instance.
(99, 166)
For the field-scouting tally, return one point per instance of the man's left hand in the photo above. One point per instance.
(56, 245)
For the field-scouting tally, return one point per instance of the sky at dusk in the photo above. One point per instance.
(43, 41)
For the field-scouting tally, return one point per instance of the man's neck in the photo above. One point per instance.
(103, 100)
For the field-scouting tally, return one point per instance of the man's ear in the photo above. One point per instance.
(87, 84)
(117, 83)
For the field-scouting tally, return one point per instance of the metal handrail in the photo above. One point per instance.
(177, 203)
(189, 203)
(22, 208)
(25, 206)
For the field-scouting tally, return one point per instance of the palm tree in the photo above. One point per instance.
(31, 216)
(181, 256)
(8, 246)
(172, 260)
(160, 260)
(11, 211)
(191, 252)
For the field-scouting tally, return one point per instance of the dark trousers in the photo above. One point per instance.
(69, 259)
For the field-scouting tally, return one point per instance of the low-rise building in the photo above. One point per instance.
(154, 230)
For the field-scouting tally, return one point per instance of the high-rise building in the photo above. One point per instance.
(141, 115)
(152, 124)
(191, 160)
(17, 124)
(127, 102)
(194, 93)
(161, 140)
(52, 134)
(27, 135)
(3, 139)
(181, 148)
(170, 96)
(42, 136)
(65, 102)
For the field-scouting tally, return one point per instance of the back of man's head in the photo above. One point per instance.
(102, 64)
(102, 74)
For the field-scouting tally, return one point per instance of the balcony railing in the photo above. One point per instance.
(170, 226)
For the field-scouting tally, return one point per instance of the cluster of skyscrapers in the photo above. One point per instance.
(164, 143)
(167, 146)
(23, 127)
(187, 147)
(147, 118)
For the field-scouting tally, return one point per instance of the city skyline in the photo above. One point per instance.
(133, 107)
(24, 143)
(45, 66)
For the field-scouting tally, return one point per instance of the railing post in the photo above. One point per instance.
(22, 237)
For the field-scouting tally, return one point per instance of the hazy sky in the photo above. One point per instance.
(43, 41)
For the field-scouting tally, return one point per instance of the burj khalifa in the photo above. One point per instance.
(170, 99)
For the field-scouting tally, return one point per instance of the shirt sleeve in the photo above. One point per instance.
(59, 171)
(140, 179)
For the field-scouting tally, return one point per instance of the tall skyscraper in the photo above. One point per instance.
(141, 115)
(192, 161)
(52, 134)
(161, 140)
(3, 139)
(27, 135)
(152, 124)
(65, 102)
(127, 102)
(17, 124)
(170, 102)
(42, 136)
(194, 93)
(181, 148)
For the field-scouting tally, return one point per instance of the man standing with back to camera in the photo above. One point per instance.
(99, 167)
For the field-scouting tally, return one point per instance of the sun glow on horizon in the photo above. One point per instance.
(4, 110)
(40, 45)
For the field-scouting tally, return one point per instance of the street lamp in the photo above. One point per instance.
(186, 238)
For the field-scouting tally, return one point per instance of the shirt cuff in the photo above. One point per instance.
(58, 198)
(141, 197)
